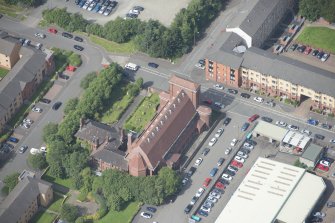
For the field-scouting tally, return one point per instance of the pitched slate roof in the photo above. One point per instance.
(6, 47)
(113, 157)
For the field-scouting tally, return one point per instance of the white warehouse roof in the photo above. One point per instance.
(273, 190)
(270, 131)
(296, 139)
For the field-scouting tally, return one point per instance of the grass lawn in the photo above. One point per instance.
(123, 216)
(318, 37)
(11, 10)
(51, 179)
(143, 114)
(43, 217)
(114, 47)
(3, 72)
(57, 203)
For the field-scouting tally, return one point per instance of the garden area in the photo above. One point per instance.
(3, 72)
(318, 37)
(123, 216)
(143, 114)
(43, 217)
(63, 182)
(113, 47)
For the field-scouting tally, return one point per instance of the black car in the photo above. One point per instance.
(320, 55)
(67, 35)
(188, 208)
(229, 172)
(191, 171)
(113, 4)
(220, 161)
(1, 16)
(45, 100)
(203, 213)
(139, 8)
(318, 136)
(205, 151)
(266, 119)
(80, 48)
(251, 142)
(79, 39)
(56, 105)
(326, 126)
(63, 76)
(315, 219)
(223, 181)
(245, 95)
(294, 47)
(315, 52)
(77, 2)
(301, 49)
(152, 209)
(23, 148)
(234, 167)
(232, 91)
(130, 15)
(227, 121)
(245, 151)
(331, 160)
(153, 65)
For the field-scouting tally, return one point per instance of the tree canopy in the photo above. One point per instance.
(314, 9)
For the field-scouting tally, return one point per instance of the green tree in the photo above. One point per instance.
(310, 9)
(115, 202)
(11, 181)
(69, 212)
(171, 180)
(71, 105)
(56, 152)
(95, 29)
(49, 132)
(75, 60)
(328, 10)
(37, 161)
(87, 80)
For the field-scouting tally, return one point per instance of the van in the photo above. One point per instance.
(131, 66)
(196, 218)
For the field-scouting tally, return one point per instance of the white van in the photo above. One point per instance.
(131, 66)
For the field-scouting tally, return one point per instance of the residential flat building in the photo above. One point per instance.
(9, 53)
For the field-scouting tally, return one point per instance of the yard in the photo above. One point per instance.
(123, 216)
(143, 114)
(43, 217)
(63, 182)
(318, 37)
(3, 72)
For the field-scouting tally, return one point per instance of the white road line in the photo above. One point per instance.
(155, 73)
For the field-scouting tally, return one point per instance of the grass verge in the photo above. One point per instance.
(124, 216)
(11, 10)
(114, 47)
(143, 113)
(57, 203)
(3, 72)
(63, 182)
(318, 37)
(43, 217)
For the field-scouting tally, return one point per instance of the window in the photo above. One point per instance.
(232, 75)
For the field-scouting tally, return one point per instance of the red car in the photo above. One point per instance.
(322, 167)
(207, 182)
(253, 118)
(236, 164)
(52, 30)
(308, 51)
(219, 185)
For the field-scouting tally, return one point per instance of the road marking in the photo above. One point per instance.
(166, 76)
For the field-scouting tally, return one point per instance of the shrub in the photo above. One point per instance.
(75, 60)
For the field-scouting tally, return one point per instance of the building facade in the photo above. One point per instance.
(9, 54)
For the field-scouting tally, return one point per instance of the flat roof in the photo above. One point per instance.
(269, 190)
(312, 152)
(296, 139)
(271, 131)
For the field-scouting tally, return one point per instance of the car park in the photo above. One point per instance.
(194, 200)
(13, 139)
(312, 122)
(79, 39)
(226, 121)
(322, 167)
(36, 109)
(200, 192)
(245, 95)
(241, 154)
(267, 119)
(218, 86)
(153, 65)
(206, 182)
(319, 136)
(198, 162)
(259, 99)
(188, 208)
(293, 127)
(226, 177)
(220, 161)
(23, 148)
(213, 172)
(213, 141)
(281, 123)
(52, 30)
(151, 209)
(191, 171)
(245, 126)
(239, 159)
(40, 35)
(232, 91)
(253, 118)
(228, 150)
(325, 57)
(77, 47)
(218, 132)
(233, 142)
(56, 105)
(205, 151)
(306, 132)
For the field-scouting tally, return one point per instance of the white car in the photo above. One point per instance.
(239, 159)
(102, 9)
(226, 177)
(205, 208)
(219, 132)
(134, 11)
(281, 123)
(228, 150)
(198, 162)
(325, 163)
(200, 192)
(218, 86)
(332, 141)
(241, 154)
(306, 132)
(146, 215)
(213, 141)
(43, 149)
(199, 65)
(319, 214)
(25, 125)
(212, 199)
(325, 57)
(219, 105)
(28, 121)
(232, 169)
(293, 127)
(36, 109)
(87, 4)
(248, 146)
(215, 195)
(259, 99)
(40, 35)
(233, 142)
(34, 151)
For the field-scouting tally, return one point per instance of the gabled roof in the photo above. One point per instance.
(113, 157)
(186, 84)
(18, 200)
(6, 47)
(165, 128)
(312, 152)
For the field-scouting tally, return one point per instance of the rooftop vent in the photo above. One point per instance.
(240, 49)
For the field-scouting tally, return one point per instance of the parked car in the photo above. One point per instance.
(79, 39)
(301, 48)
(229, 172)
(325, 57)
(34, 151)
(315, 52)
(245, 126)
(259, 99)
(322, 167)
(77, 47)
(228, 150)
(153, 65)
(239, 159)
(151, 209)
(326, 126)
(194, 200)
(36, 109)
(63, 76)
(236, 164)
(188, 208)
(325, 163)
(219, 105)
(139, 8)
(320, 55)
(212, 199)
(312, 122)
(226, 121)
(270, 103)
(219, 186)
(218, 132)
(200, 192)
(245, 95)
(13, 139)
(207, 182)
(205, 208)
(146, 215)
(281, 123)
(330, 204)
(202, 213)
(212, 141)
(213, 172)
(253, 118)
(266, 119)
(25, 125)
(215, 195)
(319, 136)
(40, 35)
(294, 47)
(293, 127)
(241, 154)
(45, 100)
(205, 151)
(306, 132)
(218, 86)
(220, 161)
(56, 105)
(248, 146)
(227, 177)
(52, 30)
(330, 160)
(233, 142)
(232, 91)
(198, 162)
(308, 51)
(232, 168)
(23, 148)
(191, 171)
(184, 181)
(67, 35)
